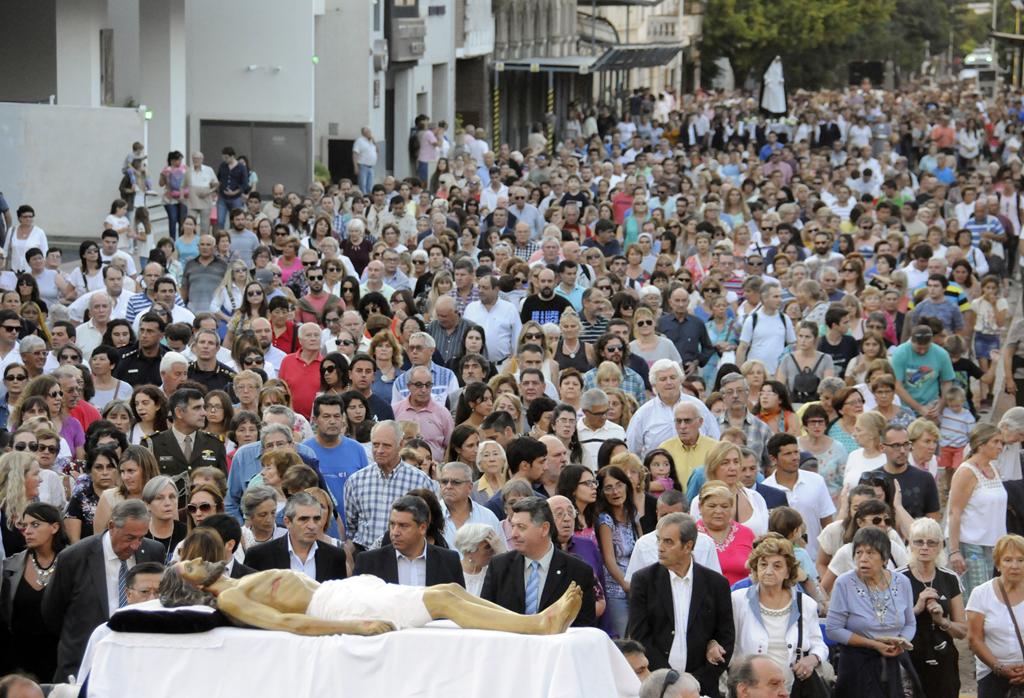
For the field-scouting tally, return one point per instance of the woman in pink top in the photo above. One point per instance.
(733, 541)
(289, 261)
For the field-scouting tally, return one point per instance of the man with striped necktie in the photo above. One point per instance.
(537, 573)
(91, 581)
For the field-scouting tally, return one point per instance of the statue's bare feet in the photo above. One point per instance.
(376, 627)
(560, 615)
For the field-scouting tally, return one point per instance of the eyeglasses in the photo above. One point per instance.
(22, 445)
(49, 449)
(70, 357)
(16, 377)
(588, 483)
(613, 487)
(330, 368)
(416, 347)
(205, 507)
(755, 263)
(318, 277)
(253, 361)
(254, 294)
(899, 446)
(346, 342)
(310, 265)
(644, 323)
(613, 348)
(56, 394)
(451, 482)
(420, 385)
(879, 520)
(11, 328)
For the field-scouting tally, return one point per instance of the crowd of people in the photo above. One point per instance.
(733, 376)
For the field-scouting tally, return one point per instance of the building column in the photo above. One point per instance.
(78, 51)
(162, 76)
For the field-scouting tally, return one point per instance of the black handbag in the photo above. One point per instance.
(814, 686)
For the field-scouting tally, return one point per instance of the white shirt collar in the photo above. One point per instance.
(688, 577)
(291, 550)
(545, 559)
(421, 556)
(108, 548)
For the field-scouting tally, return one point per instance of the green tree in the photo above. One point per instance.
(811, 36)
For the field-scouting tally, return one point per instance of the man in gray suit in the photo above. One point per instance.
(91, 581)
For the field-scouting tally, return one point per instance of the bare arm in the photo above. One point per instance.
(102, 516)
(741, 353)
(604, 537)
(239, 607)
(960, 491)
(73, 527)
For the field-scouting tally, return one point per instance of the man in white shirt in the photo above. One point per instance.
(459, 509)
(109, 251)
(113, 281)
(494, 192)
(645, 551)
(654, 423)
(364, 158)
(766, 332)
(89, 335)
(806, 491)
(498, 317)
(593, 428)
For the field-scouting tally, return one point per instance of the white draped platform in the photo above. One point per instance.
(440, 660)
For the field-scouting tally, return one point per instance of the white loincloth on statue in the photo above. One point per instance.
(366, 597)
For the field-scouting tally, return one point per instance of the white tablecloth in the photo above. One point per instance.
(439, 660)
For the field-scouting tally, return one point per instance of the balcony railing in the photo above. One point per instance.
(474, 28)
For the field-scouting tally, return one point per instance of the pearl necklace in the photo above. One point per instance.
(43, 574)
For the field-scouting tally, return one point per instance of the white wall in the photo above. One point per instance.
(123, 18)
(345, 74)
(81, 149)
(225, 37)
(78, 51)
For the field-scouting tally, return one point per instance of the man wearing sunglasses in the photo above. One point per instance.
(435, 421)
(920, 494)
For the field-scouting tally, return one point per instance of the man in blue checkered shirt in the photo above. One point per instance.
(369, 492)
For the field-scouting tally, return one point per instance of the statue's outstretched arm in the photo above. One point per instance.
(239, 607)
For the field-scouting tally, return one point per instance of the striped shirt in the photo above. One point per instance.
(445, 384)
(369, 494)
(955, 427)
(991, 224)
(140, 303)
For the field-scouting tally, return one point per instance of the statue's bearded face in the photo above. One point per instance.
(200, 573)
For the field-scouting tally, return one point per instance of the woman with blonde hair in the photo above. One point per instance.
(230, 293)
(510, 402)
(767, 613)
(939, 608)
(439, 286)
(756, 374)
(995, 613)
(977, 508)
(533, 333)
(749, 507)
(867, 431)
(621, 406)
(645, 503)
(608, 376)
(715, 509)
(19, 485)
(649, 345)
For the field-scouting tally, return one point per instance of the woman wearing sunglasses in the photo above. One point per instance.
(203, 501)
(873, 513)
(649, 345)
(64, 424)
(137, 467)
(252, 305)
(15, 380)
(100, 475)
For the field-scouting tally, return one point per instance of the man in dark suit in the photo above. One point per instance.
(662, 595)
(91, 581)
(299, 550)
(183, 446)
(230, 531)
(410, 559)
(537, 573)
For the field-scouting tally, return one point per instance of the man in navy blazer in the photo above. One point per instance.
(84, 589)
(537, 573)
(703, 646)
(300, 550)
(410, 559)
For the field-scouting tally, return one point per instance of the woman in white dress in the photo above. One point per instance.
(24, 237)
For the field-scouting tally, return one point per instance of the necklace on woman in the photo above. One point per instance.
(43, 574)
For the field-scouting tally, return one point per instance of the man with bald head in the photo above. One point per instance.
(689, 448)
(90, 334)
(447, 328)
(558, 458)
(301, 370)
(202, 276)
(435, 422)
(273, 356)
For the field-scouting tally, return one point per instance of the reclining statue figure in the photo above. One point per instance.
(362, 605)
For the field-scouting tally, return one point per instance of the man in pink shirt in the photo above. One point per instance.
(301, 370)
(427, 159)
(311, 306)
(436, 424)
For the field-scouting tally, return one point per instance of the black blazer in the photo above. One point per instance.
(238, 570)
(75, 600)
(443, 566)
(273, 555)
(207, 449)
(505, 583)
(652, 621)
(773, 496)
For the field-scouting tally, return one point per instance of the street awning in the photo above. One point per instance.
(622, 57)
(1005, 36)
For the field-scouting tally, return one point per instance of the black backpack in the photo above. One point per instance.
(805, 383)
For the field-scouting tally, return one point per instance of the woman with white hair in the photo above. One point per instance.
(1012, 426)
(477, 543)
(939, 608)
